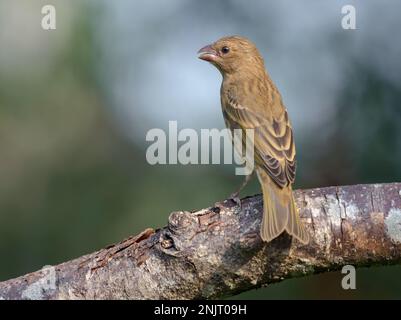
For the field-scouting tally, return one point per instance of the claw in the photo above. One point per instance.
(235, 198)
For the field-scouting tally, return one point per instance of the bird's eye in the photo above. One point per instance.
(225, 50)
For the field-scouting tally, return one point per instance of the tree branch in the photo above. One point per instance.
(217, 252)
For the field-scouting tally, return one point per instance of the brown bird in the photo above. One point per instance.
(250, 100)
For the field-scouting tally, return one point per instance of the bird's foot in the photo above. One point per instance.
(234, 197)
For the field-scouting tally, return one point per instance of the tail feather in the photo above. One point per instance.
(279, 211)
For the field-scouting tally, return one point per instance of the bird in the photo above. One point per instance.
(250, 100)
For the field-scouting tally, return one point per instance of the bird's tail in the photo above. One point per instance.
(279, 211)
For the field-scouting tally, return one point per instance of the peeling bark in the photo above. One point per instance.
(217, 252)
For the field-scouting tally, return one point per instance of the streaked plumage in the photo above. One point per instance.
(250, 100)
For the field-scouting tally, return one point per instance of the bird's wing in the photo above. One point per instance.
(273, 140)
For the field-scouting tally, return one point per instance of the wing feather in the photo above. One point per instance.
(273, 138)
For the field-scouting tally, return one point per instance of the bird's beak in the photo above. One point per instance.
(207, 53)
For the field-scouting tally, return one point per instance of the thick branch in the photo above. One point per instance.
(217, 252)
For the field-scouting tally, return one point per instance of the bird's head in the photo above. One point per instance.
(230, 54)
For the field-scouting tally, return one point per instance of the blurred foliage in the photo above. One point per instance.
(71, 182)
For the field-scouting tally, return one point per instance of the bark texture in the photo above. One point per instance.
(217, 252)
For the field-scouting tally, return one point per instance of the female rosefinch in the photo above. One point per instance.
(250, 100)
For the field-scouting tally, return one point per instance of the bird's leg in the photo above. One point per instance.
(235, 195)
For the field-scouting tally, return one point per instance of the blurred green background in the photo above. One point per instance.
(76, 103)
